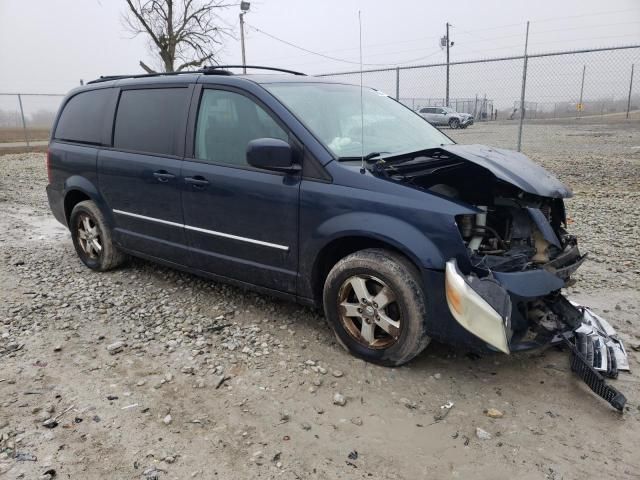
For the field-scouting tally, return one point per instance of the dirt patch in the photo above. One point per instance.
(153, 373)
(16, 134)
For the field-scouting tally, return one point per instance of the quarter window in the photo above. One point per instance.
(151, 120)
(83, 117)
(227, 122)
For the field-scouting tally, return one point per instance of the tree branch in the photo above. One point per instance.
(146, 68)
(187, 32)
(143, 22)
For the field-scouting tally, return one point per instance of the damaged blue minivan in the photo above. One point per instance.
(329, 195)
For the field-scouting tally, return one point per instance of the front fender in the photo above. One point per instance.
(395, 232)
(415, 244)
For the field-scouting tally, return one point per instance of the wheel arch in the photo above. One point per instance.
(78, 189)
(71, 199)
(340, 247)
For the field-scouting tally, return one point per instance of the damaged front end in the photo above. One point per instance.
(507, 291)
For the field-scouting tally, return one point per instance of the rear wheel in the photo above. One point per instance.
(374, 302)
(92, 238)
(454, 123)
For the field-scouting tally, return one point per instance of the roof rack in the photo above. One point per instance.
(253, 67)
(209, 70)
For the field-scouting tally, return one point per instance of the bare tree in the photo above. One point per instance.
(184, 33)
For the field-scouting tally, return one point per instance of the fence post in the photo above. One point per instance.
(24, 124)
(630, 88)
(398, 83)
(584, 69)
(524, 85)
(484, 107)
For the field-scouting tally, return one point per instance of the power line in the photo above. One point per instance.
(293, 45)
(551, 19)
(380, 54)
(540, 32)
(336, 59)
(468, 32)
(373, 45)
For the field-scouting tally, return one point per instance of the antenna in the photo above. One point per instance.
(362, 169)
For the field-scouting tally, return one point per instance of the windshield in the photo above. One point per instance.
(332, 112)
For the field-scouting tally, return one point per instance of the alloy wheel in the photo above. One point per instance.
(89, 236)
(369, 311)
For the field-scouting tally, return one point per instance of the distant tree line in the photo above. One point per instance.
(39, 118)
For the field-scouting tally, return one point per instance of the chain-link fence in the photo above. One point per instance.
(572, 100)
(26, 119)
(569, 94)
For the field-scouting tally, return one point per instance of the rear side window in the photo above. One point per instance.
(83, 117)
(151, 120)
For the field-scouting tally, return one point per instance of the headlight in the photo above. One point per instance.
(474, 313)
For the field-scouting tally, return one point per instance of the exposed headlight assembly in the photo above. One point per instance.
(481, 306)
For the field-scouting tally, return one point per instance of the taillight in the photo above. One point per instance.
(48, 164)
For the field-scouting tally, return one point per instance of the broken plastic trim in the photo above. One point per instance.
(596, 382)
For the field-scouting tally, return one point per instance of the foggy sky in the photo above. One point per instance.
(49, 45)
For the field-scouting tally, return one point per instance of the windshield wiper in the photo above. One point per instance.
(367, 157)
(373, 155)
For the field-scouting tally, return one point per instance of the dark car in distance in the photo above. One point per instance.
(297, 187)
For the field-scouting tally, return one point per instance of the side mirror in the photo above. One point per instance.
(271, 154)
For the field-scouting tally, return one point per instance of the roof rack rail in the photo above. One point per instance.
(107, 78)
(212, 68)
(209, 70)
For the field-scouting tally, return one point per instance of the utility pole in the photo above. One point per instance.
(244, 7)
(244, 60)
(448, 43)
(524, 86)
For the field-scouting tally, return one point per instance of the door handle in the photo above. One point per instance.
(198, 181)
(163, 175)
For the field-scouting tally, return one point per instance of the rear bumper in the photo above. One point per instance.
(56, 204)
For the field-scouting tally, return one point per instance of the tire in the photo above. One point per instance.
(454, 123)
(362, 333)
(92, 238)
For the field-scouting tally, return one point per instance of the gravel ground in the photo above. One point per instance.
(147, 373)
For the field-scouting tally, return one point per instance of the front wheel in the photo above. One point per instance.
(92, 238)
(454, 123)
(375, 304)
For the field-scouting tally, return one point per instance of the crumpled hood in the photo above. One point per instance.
(514, 168)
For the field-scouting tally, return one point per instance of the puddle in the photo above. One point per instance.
(24, 225)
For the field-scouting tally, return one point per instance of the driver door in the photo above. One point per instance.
(241, 222)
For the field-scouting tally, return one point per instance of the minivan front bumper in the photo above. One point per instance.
(484, 307)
